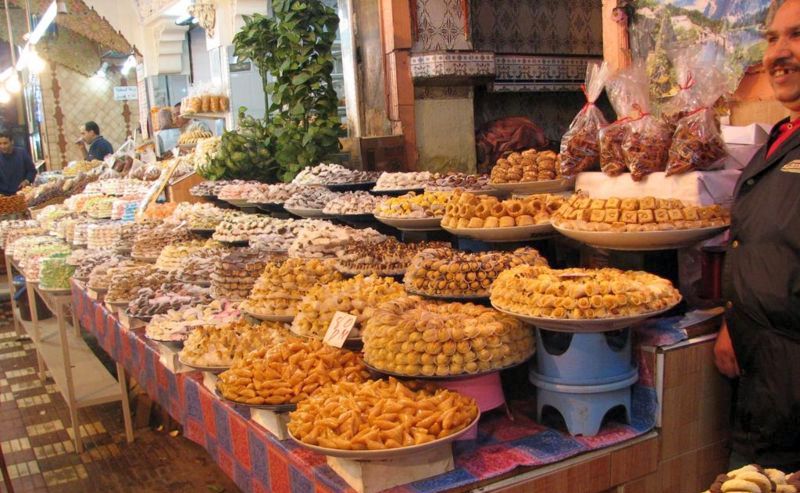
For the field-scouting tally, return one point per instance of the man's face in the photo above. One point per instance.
(6, 146)
(87, 135)
(782, 56)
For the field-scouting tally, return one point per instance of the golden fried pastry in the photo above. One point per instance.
(446, 272)
(386, 258)
(540, 292)
(411, 205)
(527, 166)
(220, 345)
(380, 414)
(467, 210)
(289, 372)
(413, 337)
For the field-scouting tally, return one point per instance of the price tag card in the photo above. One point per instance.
(339, 329)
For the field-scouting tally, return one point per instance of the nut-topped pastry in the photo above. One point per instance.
(527, 166)
(150, 301)
(235, 273)
(580, 212)
(455, 181)
(172, 256)
(282, 285)
(150, 242)
(452, 273)
(403, 180)
(289, 372)
(220, 345)
(357, 296)
(413, 337)
(467, 210)
(198, 266)
(385, 258)
(581, 293)
(411, 205)
(127, 281)
(353, 203)
(175, 324)
(321, 239)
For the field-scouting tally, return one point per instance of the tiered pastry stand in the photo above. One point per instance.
(79, 376)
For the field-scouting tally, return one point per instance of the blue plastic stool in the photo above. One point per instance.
(583, 407)
(585, 358)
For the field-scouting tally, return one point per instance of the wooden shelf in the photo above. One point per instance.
(92, 381)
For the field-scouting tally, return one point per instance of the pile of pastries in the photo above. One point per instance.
(12, 204)
(379, 415)
(412, 337)
(411, 205)
(241, 227)
(219, 344)
(149, 242)
(453, 273)
(85, 265)
(175, 325)
(277, 193)
(403, 180)
(173, 296)
(580, 212)
(207, 188)
(198, 266)
(99, 207)
(172, 256)
(526, 166)
(352, 203)
(235, 273)
(463, 181)
(289, 372)
(753, 478)
(55, 273)
(193, 135)
(103, 236)
(310, 198)
(326, 240)
(282, 285)
(100, 277)
(385, 258)
(467, 210)
(126, 282)
(358, 296)
(332, 174)
(581, 294)
(199, 215)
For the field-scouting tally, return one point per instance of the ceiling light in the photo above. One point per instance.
(101, 72)
(41, 27)
(5, 97)
(130, 63)
(13, 85)
(35, 63)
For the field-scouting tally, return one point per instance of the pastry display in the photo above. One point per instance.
(199, 216)
(443, 272)
(127, 281)
(149, 242)
(120, 207)
(282, 285)
(310, 198)
(753, 478)
(55, 272)
(205, 103)
(199, 265)
(17, 245)
(380, 414)
(357, 296)
(321, 239)
(411, 205)
(220, 344)
(581, 293)
(103, 236)
(191, 136)
(122, 187)
(411, 180)
(333, 174)
(583, 213)
(30, 261)
(207, 188)
(99, 207)
(289, 372)
(76, 167)
(527, 166)
(86, 264)
(150, 301)
(100, 276)
(280, 238)
(159, 212)
(237, 190)
(20, 226)
(277, 193)
(412, 337)
(235, 273)
(175, 325)
(241, 227)
(471, 183)
(466, 210)
(579, 145)
(352, 203)
(13, 204)
(385, 258)
(172, 256)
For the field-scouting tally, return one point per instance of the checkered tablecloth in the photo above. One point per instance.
(259, 462)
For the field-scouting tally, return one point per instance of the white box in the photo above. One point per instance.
(755, 133)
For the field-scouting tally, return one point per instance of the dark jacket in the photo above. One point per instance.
(761, 286)
(14, 169)
(99, 149)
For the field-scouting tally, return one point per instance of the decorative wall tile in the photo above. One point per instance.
(449, 66)
(551, 27)
(519, 73)
(440, 25)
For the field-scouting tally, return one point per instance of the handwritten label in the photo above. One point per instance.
(126, 93)
(341, 326)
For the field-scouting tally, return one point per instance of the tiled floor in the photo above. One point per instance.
(37, 440)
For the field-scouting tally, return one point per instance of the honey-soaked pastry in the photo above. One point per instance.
(581, 293)
(452, 273)
(413, 337)
(357, 296)
(468, 210)
(289, 372)
(386, 258)
(636, 214)
(282, 285)
(380, 414)
(236, 273)
(414, 206)
(526, 166)
(219, 345)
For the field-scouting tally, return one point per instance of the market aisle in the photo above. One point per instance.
(36, 440)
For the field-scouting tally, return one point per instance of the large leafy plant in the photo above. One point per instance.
(295, 48)
(243, 154)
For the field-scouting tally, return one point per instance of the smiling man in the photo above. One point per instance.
(760, 342)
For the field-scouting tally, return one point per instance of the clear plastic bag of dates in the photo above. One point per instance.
(697, 142)
(611, 137)
(579, 146)
(646, 143)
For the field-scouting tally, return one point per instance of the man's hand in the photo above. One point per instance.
(24, 184)
(724, 356)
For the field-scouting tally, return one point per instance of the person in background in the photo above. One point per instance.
(16, 166)
(759, 343)
(99, 147)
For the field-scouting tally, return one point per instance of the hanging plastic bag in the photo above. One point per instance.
(579, 146)
(647, 140)
(697, 143)
(612, 136)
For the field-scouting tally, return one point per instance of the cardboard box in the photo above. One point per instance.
(754, 134)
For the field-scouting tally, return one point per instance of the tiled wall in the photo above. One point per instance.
(440, 25)
(70, 99)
